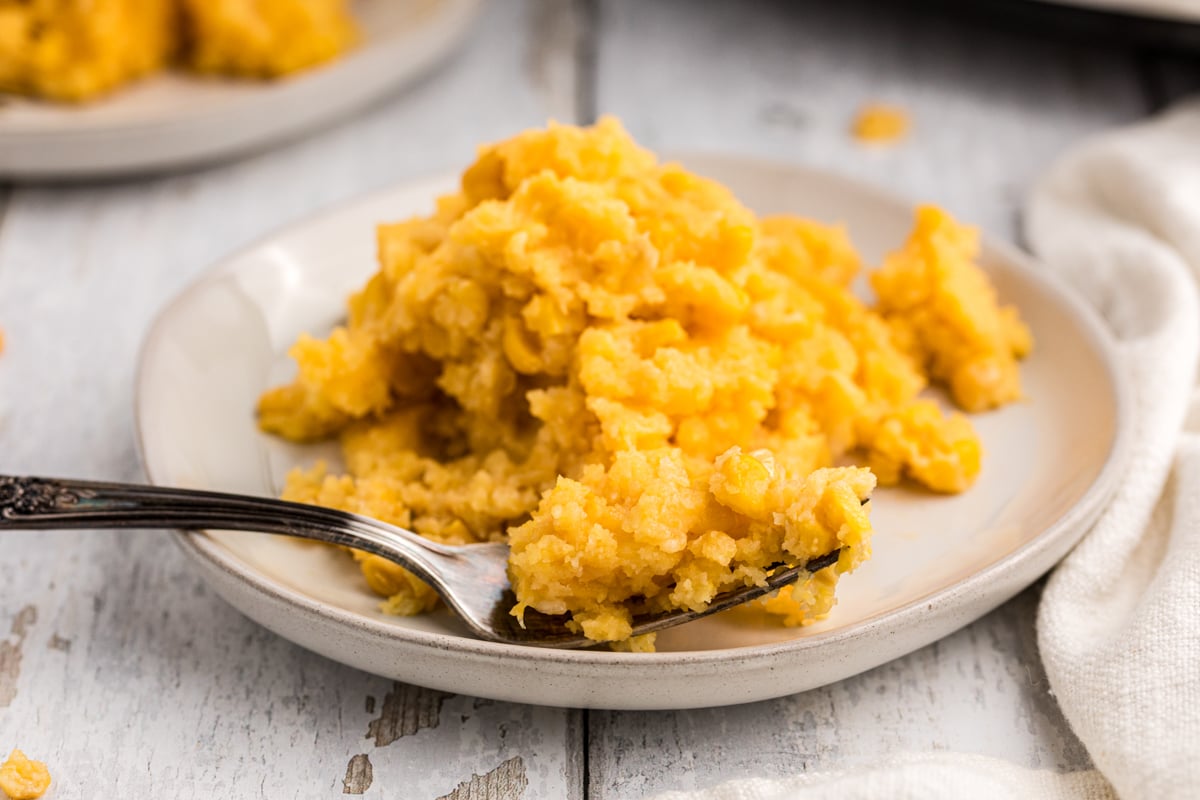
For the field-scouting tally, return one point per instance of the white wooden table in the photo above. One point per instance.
(131, 679)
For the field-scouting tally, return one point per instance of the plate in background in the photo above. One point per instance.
(939, 563)
(173, 120)
(1177, 10)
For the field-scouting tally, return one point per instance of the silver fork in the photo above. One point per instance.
(471, 579)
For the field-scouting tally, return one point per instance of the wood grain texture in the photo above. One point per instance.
(406, 710)
(11, 654)
(980, 690)
(506, 782)
(164, 690)
(990, 110)
(359, 775)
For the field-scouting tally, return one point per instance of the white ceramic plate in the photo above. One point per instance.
(174, 120)
(939, 563)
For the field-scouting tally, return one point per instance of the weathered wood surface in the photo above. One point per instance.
(125, 673)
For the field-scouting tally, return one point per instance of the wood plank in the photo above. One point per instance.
(981, 690)
(991, 109)
(118, 667)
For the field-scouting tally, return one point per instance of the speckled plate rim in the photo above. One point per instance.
(896, 631)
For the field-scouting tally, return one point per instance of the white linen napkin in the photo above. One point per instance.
(1119, 621)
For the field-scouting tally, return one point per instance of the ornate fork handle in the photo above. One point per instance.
(30, 498)
(27, 502)
(45, 503)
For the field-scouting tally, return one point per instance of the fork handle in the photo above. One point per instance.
(32, 503)
(50, 503)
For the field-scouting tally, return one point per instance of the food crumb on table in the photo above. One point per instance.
(881, 123)
(22, 778)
